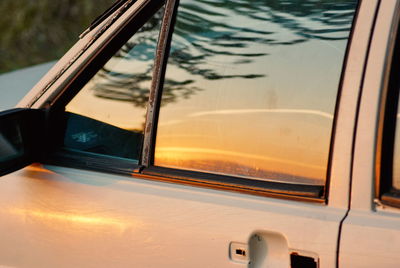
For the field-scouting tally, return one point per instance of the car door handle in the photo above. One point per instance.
(270, 249)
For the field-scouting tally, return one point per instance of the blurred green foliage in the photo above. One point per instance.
(37, 31)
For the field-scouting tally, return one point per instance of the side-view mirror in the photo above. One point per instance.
(21, 138)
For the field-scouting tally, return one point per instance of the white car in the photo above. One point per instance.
(202, 133)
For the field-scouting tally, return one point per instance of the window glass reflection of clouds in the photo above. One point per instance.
(251, 88)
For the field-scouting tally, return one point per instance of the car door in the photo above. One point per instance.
(194, 134)
(372, 226)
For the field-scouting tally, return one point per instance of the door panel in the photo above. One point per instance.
(371, 239)
(54, 216)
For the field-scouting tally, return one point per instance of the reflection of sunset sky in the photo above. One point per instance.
(290, 143)
(122, 114)
(116, 113)
(280, 122)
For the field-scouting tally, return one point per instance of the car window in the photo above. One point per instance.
(395, 183)
(388, 146)
(396, 156)
(250, 88)
(107, 116)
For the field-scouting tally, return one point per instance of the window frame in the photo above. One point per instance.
(145, 168)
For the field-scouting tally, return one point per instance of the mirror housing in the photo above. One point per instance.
(22, 135)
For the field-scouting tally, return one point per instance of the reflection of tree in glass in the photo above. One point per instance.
(134, 87)
(126, 87)
(206, 30)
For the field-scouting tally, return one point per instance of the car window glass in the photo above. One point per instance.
(107, 116)
(396, 154)
(250, 88)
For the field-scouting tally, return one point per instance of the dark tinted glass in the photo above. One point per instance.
(396, 154)
(250, 87)
(107, 116)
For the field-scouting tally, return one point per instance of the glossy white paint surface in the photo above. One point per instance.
(16, 84)
(347, 109)
(371, 233)
(62, 217)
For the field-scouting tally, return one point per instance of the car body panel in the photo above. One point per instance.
(71, 217)
(348, 105)
(371, 232)
(66, 217)
(13, 88)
